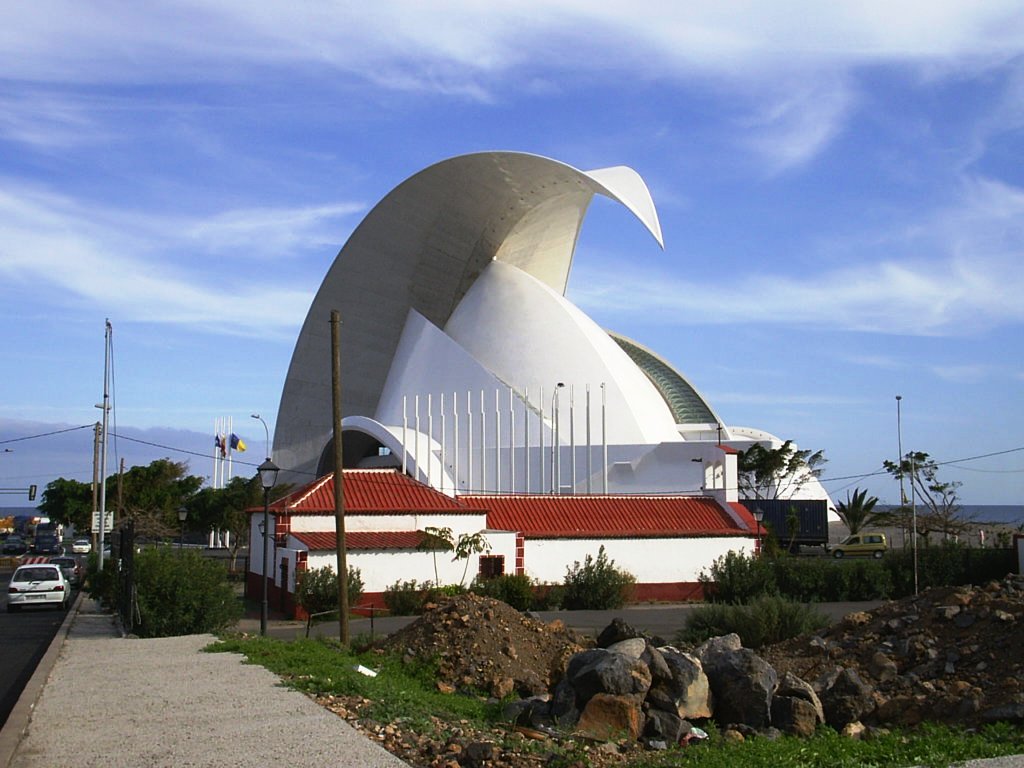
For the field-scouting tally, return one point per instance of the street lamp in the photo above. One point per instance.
(758, 517)
(268, 479)
(182, 516)
(266, 430)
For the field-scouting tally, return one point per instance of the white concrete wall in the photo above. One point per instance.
(381, 569)
(464, 523)
(652, 561)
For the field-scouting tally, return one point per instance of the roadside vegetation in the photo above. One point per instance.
(404, 692)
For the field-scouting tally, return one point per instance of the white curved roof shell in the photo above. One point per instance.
(422, 248)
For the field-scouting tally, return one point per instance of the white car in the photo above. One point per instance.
(81, 546)
(38, 584)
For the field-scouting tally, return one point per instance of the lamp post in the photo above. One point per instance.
(758, 517)
(182, 516)
(899, 463)
(268, 479)
(266, 429)
(556, 452)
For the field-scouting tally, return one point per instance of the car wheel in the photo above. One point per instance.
(838, 554)
(878, 555)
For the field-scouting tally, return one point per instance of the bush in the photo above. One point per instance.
(547, 597)
(597, 584)
(406, 598)
(948, 565)
(514, 589)
(317, 590)
(737, 578)
(768, 619)
(182, 593)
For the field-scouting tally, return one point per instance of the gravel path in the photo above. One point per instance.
(112, 701)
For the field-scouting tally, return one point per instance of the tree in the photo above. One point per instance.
(226, 509)
(436, 540)
(152, 495)
(941, 502)
(857, 512)
(443, 540)
(777, 473)
(68, 502)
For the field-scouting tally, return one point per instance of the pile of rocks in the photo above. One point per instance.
(630, 687)
(952, 654)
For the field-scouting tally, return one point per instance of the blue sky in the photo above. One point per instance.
(840, 187)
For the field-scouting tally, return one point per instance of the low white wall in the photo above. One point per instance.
(462, 523)
(651, 561)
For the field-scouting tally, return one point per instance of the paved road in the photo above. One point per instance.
(660, 620)
(24, 638)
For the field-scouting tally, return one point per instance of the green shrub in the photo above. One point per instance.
(317, 590)
(405, 598)
(596, 584)
(547, 597)
(947, 565)
(766, 620)
(182, 593)
(514, 589)
(738, 578)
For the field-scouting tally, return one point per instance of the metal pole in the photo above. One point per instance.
(899, 463)
(913, 511)
(264, 607)
(604, 435)
(103, 450)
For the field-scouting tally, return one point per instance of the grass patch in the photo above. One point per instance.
(931, 745)
(405, 693)
(401, 690)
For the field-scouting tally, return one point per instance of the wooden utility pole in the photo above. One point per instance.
(339, 492)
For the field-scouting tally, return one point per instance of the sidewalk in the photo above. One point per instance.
(98, 699)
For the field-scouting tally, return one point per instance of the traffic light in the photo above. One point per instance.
(32, 492)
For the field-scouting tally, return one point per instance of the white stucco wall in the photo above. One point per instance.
(381, 569)
(651, 561)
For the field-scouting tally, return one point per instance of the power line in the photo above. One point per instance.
(45, 434)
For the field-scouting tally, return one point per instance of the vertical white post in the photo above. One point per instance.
(430, 437)
(231, 450)
(455, 439)
(416, 426)
(556, 471)
(511, 443)
(526, 438)
(483, 443)
(572, 436)
(540, 447)
(405, 429)
(441, 481)
(469, 442)
(604, 434)
(497, 442)
(590, 458)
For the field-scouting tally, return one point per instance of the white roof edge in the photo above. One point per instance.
(625, 185)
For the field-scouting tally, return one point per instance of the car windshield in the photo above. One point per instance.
(35, 574)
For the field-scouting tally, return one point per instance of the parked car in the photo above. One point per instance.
(15, 545)
(81, 546)
(40, 584)
(866, 544)
(72, 569)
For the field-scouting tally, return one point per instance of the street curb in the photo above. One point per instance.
(21, 715)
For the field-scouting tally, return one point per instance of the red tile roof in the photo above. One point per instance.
(362, 540)
(369, 491)
(574, 517)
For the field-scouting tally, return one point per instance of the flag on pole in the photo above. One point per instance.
(237, 444)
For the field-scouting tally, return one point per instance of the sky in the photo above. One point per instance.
(840, 187)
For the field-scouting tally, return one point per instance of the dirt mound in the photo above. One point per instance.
(482, 644)
(949, 655)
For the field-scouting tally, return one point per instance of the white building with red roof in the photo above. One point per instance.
(467, 370)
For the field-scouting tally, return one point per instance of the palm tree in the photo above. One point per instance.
(857, 512)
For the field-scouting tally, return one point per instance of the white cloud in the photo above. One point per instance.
(960, 271)
(137, 267)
